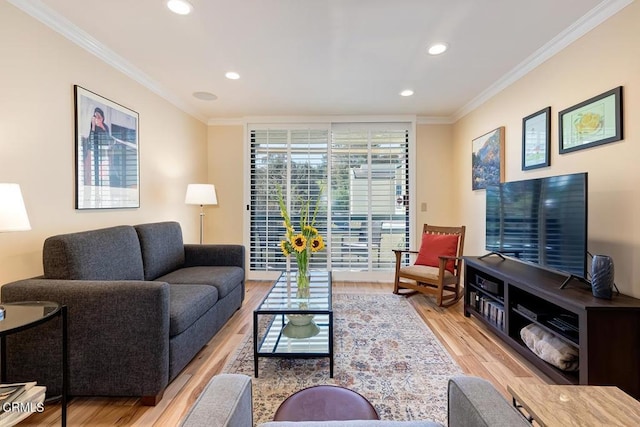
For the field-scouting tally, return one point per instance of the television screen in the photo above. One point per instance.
(543, 221)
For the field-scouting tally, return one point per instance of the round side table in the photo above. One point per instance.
(20, 316)
(326, 403)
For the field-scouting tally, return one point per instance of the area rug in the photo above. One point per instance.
(382, 349)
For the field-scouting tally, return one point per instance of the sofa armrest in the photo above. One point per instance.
(118, 336)
(475, 402)
(225, 401)
(214, 255)
(352, 423)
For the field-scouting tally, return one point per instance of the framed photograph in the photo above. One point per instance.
(595, 121)
(107, 155)
(536, 139)
(487, 159)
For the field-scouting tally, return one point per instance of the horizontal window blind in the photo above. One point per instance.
(369, 186)
(294, 160)
(358, 173)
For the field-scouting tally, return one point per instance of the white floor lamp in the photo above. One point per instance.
(201, 194)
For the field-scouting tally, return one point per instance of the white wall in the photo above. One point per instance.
(40, 67)
(434, 179)
(606, 57)
(224, 223)
(38, 70)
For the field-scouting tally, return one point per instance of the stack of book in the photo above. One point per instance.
(19, 400)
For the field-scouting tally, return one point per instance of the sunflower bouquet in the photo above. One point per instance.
(303, 242)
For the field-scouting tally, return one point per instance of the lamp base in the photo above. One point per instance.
(201, 223)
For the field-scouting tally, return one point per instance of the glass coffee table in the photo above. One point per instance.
(295, 326)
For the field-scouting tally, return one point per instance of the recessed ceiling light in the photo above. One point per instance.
(406, 92)
(205, 96)
(232, 75)
(181, 7)
(437, 48)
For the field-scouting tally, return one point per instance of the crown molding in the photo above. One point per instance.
(420, 120)
(588, 22)
(435, 120)
(58, 23)
(233, 121)
(63, 26)
(238, 121)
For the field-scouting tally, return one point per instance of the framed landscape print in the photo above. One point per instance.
(595, 121)
(107, 155)
(487, 159)
(536, 139)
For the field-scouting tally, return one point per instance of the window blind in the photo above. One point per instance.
(358, 172)
(370, 184)
(294, 160)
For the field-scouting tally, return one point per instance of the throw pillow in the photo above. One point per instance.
(435, 245)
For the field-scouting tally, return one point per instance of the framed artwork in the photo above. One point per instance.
(107, 153)
(536, 139)
(595, 121)
(487, 159)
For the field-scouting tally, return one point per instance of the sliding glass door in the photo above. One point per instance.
(370, 187)
(358, 172)
(294, 161)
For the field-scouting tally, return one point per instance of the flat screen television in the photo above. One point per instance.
(541, 221)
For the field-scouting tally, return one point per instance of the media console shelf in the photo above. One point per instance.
(506, 295)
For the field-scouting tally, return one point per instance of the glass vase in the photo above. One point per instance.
(301, 326)
(303, 277)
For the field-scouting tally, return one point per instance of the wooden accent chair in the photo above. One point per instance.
(437, 267)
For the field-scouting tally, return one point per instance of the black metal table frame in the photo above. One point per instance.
(282, 312)
(61, 311)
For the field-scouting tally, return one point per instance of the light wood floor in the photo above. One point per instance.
(476, 350)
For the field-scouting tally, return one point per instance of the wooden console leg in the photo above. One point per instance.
(151, 400)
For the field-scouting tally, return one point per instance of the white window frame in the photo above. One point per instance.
(325, 122)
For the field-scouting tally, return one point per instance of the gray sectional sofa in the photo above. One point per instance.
(141, 304)
(226, 402)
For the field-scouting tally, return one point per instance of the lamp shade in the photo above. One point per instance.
(201, 194)
(13, 214)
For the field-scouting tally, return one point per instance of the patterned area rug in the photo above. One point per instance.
(382, 349)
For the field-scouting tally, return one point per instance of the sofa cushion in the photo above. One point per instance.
(106, 254)
(225, 279)
(162, 248)
(187, 303)
(435, 245)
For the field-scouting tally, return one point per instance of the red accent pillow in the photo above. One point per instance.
(434, 245)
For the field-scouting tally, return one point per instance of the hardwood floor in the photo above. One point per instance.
(475, 349)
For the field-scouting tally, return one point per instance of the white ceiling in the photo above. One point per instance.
(324, 57)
